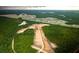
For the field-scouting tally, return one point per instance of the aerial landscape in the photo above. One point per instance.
(39, 31)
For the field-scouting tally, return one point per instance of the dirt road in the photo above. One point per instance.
(13, 46)
(40, 43)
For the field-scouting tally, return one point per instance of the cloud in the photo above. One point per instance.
(51, 4)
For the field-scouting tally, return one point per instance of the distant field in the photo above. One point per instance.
(67, 39)
(69, 14)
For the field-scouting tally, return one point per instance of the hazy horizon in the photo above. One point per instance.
(41, 4)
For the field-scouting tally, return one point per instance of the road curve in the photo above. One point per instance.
(13, 46)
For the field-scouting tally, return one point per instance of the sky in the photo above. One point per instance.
(50, 4)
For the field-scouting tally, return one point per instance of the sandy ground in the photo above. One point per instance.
(10, 15)
(23, 23)
(40, 43)
(22, 30)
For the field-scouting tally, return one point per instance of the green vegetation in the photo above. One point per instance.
(73, 15)
(24, 41)
(8, 29)
(67, 39)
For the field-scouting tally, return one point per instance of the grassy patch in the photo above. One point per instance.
(24, 41)
(67, 39)
(8, 27)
